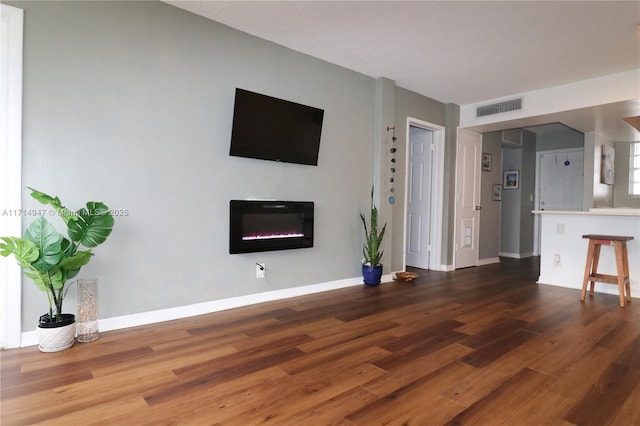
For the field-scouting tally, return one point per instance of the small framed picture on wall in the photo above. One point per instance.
(486, 162)
(496, 192)
(511, 179)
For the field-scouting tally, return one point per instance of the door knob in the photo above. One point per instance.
(478, 208)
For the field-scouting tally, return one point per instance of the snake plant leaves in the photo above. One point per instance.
(373, 236)
(48, 242)
(93, 226)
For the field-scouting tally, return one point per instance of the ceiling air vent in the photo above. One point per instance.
(500, 107)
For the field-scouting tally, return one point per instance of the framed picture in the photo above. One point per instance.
(496, 192)
(511, 179)
(486, 162)
(606, 170)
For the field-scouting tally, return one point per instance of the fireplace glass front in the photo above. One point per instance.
(270, 225)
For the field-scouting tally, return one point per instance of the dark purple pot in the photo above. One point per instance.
(372, 274)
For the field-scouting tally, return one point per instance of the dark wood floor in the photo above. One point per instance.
(483, 346)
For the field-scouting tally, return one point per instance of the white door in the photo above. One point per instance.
(420, 164)
(467, 201)
(561, 180)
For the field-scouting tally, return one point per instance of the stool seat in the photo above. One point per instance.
(591, 274)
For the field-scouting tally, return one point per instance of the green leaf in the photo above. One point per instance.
(66, 214)
(24, 251)
(48, 242)
(93, 226)
(37, 279)
(71, 265)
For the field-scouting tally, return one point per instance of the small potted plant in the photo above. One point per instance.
(371, 267)
(51, 260)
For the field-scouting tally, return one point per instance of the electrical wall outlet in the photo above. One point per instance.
(261, 269)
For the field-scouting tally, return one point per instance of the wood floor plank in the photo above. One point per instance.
(193, 380)
(407, 373)
(333, 411)
(620, 336)
(629, 413)
(66, 399)
(606, 396)
(516, 390)
(484, 345)
(495, 332)
(308, 395)
(486, 354)
(482, 382)
(416, 393)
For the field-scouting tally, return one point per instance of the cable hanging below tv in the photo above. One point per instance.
(269, 128)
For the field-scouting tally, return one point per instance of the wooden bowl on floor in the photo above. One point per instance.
(406, 276)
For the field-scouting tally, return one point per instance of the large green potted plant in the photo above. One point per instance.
(371, 267)
(51, 260)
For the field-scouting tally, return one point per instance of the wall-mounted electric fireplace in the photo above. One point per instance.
(269, 225)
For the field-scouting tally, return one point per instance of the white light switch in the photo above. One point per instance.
(560, 229)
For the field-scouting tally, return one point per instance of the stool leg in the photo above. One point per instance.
(626, 270)
(587, 269)
(594, 267)
(620, 269)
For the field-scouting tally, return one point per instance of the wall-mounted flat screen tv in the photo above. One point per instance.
(274, 129)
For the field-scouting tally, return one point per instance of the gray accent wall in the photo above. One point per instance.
(489, 238)
(131, 103)
(407, 104)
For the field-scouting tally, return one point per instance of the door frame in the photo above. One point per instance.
(437, 193)
(10, 191)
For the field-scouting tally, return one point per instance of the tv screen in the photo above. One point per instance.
(269, 128)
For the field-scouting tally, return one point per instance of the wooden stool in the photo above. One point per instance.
(622, 265)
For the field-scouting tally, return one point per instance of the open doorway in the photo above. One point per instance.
(423, 195)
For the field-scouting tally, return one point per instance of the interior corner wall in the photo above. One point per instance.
(407, 104)
(452, 121)
(589, 170)
(131, 103)
(527, 193)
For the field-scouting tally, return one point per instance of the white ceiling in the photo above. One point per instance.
(458, 52)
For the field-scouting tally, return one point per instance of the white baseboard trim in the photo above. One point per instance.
(516, 255)
(29, 338)
(488, 261)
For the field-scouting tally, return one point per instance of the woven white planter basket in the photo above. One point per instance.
(57, 338)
